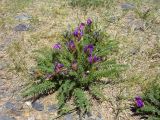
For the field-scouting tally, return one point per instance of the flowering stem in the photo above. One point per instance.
(77, 48)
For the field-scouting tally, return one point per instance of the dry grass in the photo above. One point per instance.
(140, 50)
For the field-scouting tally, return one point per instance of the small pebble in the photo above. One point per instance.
(38, 106)
(10, 106)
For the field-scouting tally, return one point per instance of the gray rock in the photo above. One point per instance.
(23, 16)
(68, 117)
(4, 117)
(22, 27)
(52, 108)
(127, 6)
(14, 108)
(38, 106)
(10, 106)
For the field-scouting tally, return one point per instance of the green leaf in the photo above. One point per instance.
(80, 100)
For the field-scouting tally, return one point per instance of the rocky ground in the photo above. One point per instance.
(28, 26)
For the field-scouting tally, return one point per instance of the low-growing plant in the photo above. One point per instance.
(75, 67)
(149, 105)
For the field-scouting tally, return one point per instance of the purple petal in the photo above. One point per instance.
(90, 59)
(89, 48)
(89, 21)
(96, 59)
(71, 45)
(57, 46)
(76, 32)
(81, 27)
(139, 102)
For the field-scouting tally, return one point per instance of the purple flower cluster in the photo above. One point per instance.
(139, 102)
(78, 32)
(88, 49)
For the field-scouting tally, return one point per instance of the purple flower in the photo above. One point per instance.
(58, 67)
(89, 49)
(96, 59)
(90, 59)
(93, 59)
(71, 45)
(57, 46)
(81, 27)
(78, 33)
(89, 21)
(139, 102)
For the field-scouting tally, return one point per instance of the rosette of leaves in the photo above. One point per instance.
(75, 67)
(150, 110)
